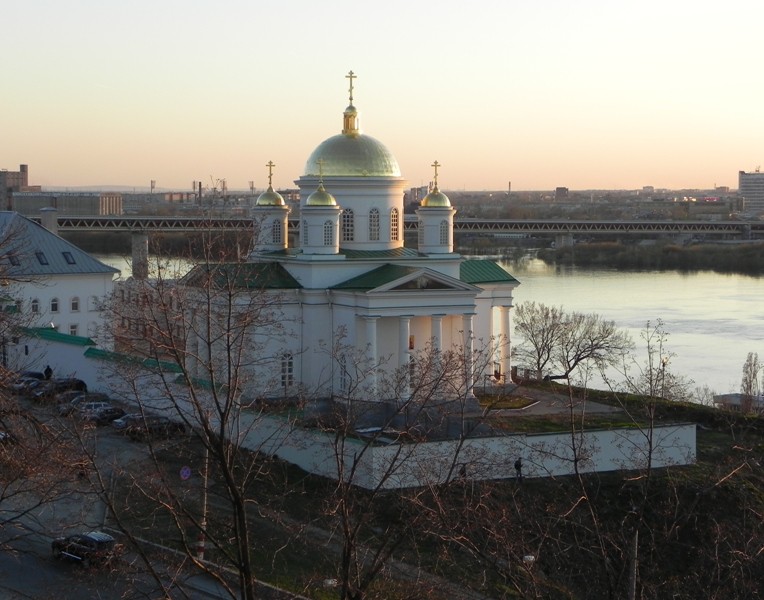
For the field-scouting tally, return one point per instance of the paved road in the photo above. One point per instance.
(27, 569)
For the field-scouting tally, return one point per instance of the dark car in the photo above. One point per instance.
(24, 386)
(56, 386)
(94, 547)
(154, 427)
(104, 415)
(125, 421)
(67, 396)
(67, 408)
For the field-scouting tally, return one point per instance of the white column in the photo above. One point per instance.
(371, 340)
(506, 347)
(468, 351)
(404, 357)
(436, 325)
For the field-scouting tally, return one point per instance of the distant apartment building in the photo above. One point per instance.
(30, 203)
(12, 182)
(751, 188)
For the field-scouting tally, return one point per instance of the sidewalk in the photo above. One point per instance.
(549, 403)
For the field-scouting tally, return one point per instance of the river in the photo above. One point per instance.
(713, 320)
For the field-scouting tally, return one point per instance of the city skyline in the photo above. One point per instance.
(584, 95)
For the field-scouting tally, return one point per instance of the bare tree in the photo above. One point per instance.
(552, 339)
(377, 509)
(198, 349)
(749, 385)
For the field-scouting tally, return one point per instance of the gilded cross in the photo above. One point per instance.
(436, 164)
(320, 163)
(270, 166)
(351, 76)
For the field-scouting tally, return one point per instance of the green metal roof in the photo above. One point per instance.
(52, 335)
(262, 275)
(395, 253)
(375, 278)
(148, 363)
(484, 271)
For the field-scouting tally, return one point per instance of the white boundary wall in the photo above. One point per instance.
(391, 466)
(416, 464)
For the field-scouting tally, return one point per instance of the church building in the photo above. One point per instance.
(353, 289)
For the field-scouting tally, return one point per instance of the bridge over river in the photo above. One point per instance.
(563, 230)
(142, 224)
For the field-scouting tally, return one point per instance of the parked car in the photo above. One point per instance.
(126, 420)
(103, 415)
(32, 374)
(87, 410)
(67, 396)
(56, 386)
(24, 377)
(68, 408)
(151, 427)
(24, 386)
(94, 547)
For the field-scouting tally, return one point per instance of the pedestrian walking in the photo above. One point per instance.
(519, 469)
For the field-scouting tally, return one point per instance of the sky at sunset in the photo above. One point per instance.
(583, 94)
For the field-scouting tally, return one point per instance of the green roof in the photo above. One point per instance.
(380, 254)
(484, 271)
(148, 363)
(52, 335)
(261, 275)
(375, 278)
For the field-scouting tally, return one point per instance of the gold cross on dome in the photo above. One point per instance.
(320, 163)
(436, 164)
(351, 76)
(270, 166)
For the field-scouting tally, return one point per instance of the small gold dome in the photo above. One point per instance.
(321, 198)
(436, 199)
(270, 197)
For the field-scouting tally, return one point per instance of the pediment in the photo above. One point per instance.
(427, 280)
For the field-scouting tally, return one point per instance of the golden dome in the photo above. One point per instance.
(320, 198)
(352, 155)
(436, 199)
(270, 197)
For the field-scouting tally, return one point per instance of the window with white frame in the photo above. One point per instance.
(54, 305)
(287, 370)
(276, 232)
(35, 306)
(328, 233)
(75, 304)
(420, 232)
(305, 233)
(348, 232)
(374, 225)
(394, 225)
(444, 233)
(73, 329)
